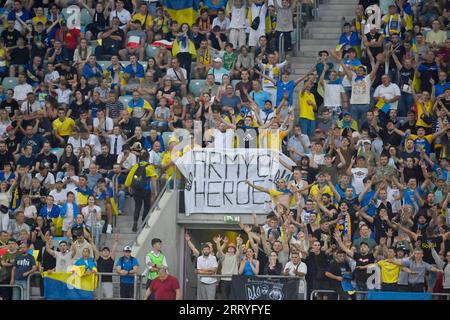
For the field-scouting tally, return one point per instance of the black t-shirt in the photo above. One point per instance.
(10, 106)
(404, 76)
(323, 236)
(214, 42)
(392, 138)
(20, 56)
(110, 43)
(77, 108)
(105, 162)
(50, 158)
(399, 51)
(197, 39)
(374, 38)
(266, 52)
(426, 247)
(128, 128)
(414, 172)
(47, 261)
(337, 269)
(105, 265)
(317, 265)
(361, 275)
(10, 37)
(380, 227)
(12, 143)
(67, 74)
(5, 158)
(411, 126)
(427, 71)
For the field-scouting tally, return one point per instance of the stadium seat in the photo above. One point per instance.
(85, 17)
(166, 137)
(10, 83)
(58, 152)
(196, 86)
(150, 51)
(125, 100)
(234, 83)
(56, 241)
(104, 64)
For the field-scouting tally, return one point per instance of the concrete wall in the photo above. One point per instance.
(163, 225)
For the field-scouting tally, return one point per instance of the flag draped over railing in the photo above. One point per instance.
(70, 285)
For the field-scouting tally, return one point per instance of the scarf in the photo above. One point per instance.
(285, 191)
(346, 225)
(183, 40)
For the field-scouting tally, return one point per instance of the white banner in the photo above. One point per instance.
(216, 179)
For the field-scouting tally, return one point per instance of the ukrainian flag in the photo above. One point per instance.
(183, 11)
(383, 106)
(70, 286)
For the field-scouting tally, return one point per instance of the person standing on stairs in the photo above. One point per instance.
(154, 261)
(142, 180)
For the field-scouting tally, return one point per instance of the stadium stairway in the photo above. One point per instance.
(321, 33)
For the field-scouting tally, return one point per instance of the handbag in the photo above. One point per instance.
(256, 21)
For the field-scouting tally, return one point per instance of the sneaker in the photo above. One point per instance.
(134, 229)
(109, 229)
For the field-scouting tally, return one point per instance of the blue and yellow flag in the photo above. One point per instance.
(183, 11)
(383, 106)
(70, 286)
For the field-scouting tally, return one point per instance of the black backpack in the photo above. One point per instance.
(140, 178)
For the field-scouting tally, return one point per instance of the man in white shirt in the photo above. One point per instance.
(46, 178)
(298, 144)
(178, 75)
(296, 268)
(121, 13)
(272, 70)
(116, 141)
(102, 123)
(22, 89)
(334, 92)
(30, 107)
(206, 265)
(222, 21)
(388, 91)
(77, 141)
(59, 193)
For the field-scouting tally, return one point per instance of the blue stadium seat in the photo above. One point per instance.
(234, 83)
(166, 137)
(151, 51)
(10, 82)
(196, 86)
(125, 100)
(104, 64)
(56, 241)
(85, 17)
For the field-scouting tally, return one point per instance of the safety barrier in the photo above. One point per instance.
(37, 275)
(302, 280)
(314, 292)
(12, 286)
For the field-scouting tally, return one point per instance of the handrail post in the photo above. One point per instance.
(135, 286)
(100, 287)
(198, 287)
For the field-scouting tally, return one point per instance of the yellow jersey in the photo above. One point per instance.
(64, 128)
(306, 110)
(389, 271)
(145, 20)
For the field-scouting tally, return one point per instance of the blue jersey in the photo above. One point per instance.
(282, 88)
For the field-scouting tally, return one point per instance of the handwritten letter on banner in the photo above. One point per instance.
(215, 179)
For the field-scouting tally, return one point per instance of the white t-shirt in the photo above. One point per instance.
(94, 142)
(358, 175)
(90, 216)
(30, 211)
(361, 90)
(26, 107)
(389, 92)
(332, 96)
(46, 181)
(59, 196)
(301, 267)
(123, 15)
(52, 76)
(64, 95)
(71, 186)
(205, 263)
(129, 163)
(106, 125)
(176, 76)
(21, 91)
(77, 144)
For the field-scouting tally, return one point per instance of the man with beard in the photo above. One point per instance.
(206, 265)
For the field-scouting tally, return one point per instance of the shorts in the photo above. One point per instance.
(67, 224)
(107, 290)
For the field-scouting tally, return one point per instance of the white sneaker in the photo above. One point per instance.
(109, 229)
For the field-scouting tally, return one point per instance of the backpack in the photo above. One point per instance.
(140, 179)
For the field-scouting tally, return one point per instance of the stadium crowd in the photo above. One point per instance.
(87, 117)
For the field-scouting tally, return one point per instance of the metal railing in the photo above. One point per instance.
(12, 286)
(356, 292)
(98, 292)
(281, 47)
(268, 277)
(299, 28)
(137, 286)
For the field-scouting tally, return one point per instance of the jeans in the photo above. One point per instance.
(121, 200)
(287, 40)
(431, 279)
(405, 104)
(16, 291)
(308, 126)
(358, 112)
(126, 290)
(392, 287)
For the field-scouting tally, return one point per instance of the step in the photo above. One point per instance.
(333, 2)
(333, 18)
(337, 7)
(331, 34)
(331, 24)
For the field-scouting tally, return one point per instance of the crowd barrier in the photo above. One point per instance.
(302, 290)
(12, 286)
(365, 294)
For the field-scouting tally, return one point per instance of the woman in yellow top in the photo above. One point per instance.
(424, 105)
(40, 17)
(308, 106)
